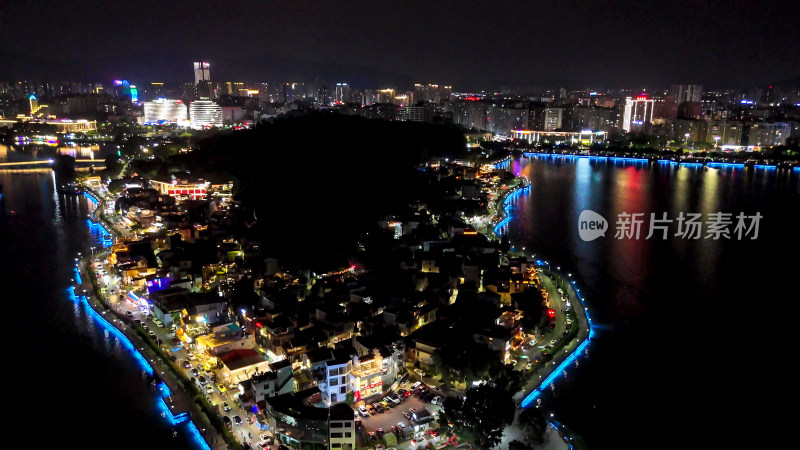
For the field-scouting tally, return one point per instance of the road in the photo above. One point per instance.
(123, 304)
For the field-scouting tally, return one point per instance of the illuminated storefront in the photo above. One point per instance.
(366, 377)
(182, 190)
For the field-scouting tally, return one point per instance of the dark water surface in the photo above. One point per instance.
(693, 336)
(71, 383)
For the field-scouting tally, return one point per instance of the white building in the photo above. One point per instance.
(330, 368)
(165, 110)
(638, 113)
(204, 114)
(279, 380)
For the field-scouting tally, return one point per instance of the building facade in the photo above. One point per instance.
(164, 110)
(638, 113)
(205, 114)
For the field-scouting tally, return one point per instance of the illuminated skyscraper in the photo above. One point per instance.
(202, 79)
(342, 93)
(638, 113)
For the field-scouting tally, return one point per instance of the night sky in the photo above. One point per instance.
(471, 45)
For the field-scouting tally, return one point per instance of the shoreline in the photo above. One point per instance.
(566, 351)
(182, 407)
(657, 159)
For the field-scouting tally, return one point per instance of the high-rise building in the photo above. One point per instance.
(638, 113)
(204, 114)
(416, 113)
(202, 71)
(122, 88)
(722, 132)
(165, 110)
(763, 134)
(553, 118)
(342, 93)
(202, 79)
(431, 93)
(686, 92)
(386, 96)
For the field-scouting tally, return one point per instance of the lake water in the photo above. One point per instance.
(693, 335)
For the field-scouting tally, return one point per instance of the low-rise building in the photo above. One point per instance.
(278, 381)
(240, 365)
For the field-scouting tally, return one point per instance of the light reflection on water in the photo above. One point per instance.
(658, 304)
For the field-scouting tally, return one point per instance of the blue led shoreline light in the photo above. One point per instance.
(530, 398)
(164, 390)
(660, 161)
(570, 359)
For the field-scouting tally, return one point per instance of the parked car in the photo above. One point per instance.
(416, 385)
(363, 411)
(237, 420)
(195, 372)
(436, 400)
(372, 411)
(378, 407)
(202, 380)
(226, 407)
(553, 343)
(187, 364)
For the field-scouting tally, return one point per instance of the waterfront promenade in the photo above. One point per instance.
(177, 405)
(562, 292)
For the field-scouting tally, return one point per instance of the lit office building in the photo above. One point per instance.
(342, 93)
(638, 113)
(204, 114)
(165, 111)
(202, 79)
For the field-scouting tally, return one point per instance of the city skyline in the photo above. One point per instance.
(471, 47)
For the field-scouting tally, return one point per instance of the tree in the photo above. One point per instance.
(481, 416)
(532, 422)
(349, 398)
